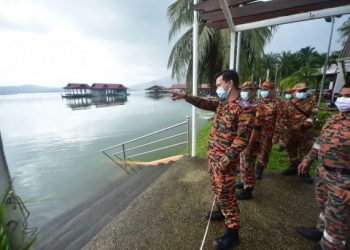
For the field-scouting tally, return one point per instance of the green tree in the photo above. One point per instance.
(344, 31)
(213, 45)
(288, 63)
(305, 54)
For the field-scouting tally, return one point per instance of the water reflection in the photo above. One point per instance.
(78, 103)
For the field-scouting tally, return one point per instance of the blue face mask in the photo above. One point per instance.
(300, 95)
(244, 95)
(264, 93)
(288, 96)
(222, 93)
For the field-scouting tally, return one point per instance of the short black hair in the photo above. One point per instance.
(228, 75)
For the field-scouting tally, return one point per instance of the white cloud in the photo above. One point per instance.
(56, 42)
(314, 33)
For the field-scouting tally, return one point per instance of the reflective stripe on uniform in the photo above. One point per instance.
(316, 146)
(330, 239)
(322, 217)
(309, 120)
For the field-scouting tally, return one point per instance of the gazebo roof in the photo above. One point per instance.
(257, 12)
(157, 87)
(108, 86)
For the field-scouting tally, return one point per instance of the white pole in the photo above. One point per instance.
(325, 64)
(268, 75)
(239, 38)
(194, 79)
(238, 54)
(228, 17)
(232, 49)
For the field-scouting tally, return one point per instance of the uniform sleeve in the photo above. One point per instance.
(313, 153)
(202, 103)
(240, 142)
(280, 121)
(308, 123)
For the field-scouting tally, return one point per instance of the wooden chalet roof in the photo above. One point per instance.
(345, 53)
(178, 86)
(157, 87)
(204, 86)
(77, 86)
(257, 10)
(108, 86)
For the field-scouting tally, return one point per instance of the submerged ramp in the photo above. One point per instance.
(170, 214)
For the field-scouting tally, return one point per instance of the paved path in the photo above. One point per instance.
(169, 214)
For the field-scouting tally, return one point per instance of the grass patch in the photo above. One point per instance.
(202, 139)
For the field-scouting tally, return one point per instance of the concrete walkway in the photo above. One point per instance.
(169, 214)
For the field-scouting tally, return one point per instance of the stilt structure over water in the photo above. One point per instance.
(77, 90)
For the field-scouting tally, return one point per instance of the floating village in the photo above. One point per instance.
(82, 95)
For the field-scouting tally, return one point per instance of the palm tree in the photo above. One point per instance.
(305, 54)
(344, 31)
(213, 45)
(288, 63)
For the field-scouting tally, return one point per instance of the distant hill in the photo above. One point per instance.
(9, 90)
(165, 82)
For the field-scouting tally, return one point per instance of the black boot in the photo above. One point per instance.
(307, 178)
(245, 194)
(292, 169)
(290, 172)
(239, 185)
(228, 240)
(259, 172)
(215, 216)
(310, 232)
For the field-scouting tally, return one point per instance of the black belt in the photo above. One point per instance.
(338, 170)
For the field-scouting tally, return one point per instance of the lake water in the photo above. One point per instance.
(52, 145)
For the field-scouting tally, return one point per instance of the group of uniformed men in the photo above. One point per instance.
(244, 130)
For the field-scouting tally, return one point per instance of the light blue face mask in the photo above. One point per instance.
(222, 93)
(264, 93)
(300, 95)
(244, 95)
(288, 96)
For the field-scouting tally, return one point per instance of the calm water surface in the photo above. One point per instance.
(52, 145)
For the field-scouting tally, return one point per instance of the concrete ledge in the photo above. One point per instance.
(169, 214)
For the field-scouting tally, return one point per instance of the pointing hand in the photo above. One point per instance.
(178, 95)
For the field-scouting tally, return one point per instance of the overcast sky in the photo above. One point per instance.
(54, 42)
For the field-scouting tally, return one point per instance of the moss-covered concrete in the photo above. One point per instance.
(170, 214)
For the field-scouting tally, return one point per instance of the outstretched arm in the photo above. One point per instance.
(199, 102)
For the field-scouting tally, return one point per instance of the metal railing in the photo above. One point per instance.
(121, 157)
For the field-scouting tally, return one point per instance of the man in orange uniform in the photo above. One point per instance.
(281, 139)
(228, 137)
(295, 121)
(332, 148)
(249, 155)
(264, 125)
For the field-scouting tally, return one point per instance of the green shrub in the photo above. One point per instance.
(322, 116)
